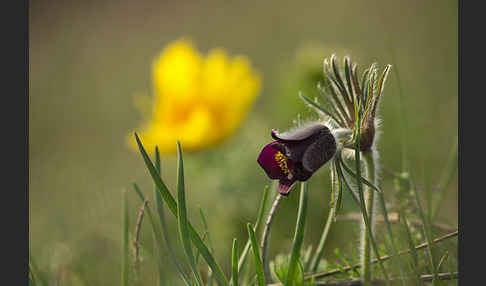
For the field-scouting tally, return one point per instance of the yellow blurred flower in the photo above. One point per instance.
(199, 100)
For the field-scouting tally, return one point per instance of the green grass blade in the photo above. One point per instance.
(125, 249)
(34, 275)
(244, 254)
(160, 265)
(206, 229)
(382, 204)
(162, 236)
(299, 235)
(169, 200)
(428, 235)
(207, 236)
(360, 202)
(446, 178)
(256, 256)
(381, 198)
(413, 250)
(32, 279)
(172, 205)
(442, 260)
(163, 225)
(158, 240)
(395, 259)
(261, 211)
(182, 217)
(314, 263)
(234, 263)
(157, 160)
(204, 236)
(346, 262)
(452, 270)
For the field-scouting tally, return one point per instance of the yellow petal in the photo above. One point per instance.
(176, 73)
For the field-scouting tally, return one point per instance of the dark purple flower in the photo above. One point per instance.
(295, 156)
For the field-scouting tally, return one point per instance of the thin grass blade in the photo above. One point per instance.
(413, 250)
(172, 205)
(160, 236)
(206, 229)
(446, 178)
(314, 263)
(452, 271)
(234, 263)
(442, 260)
(299, 235)
(382, 204)
(428, 235)
(205, 237)
(35, 276)
(182, 217)
(256, 256)
(261, 212)
(346, 262)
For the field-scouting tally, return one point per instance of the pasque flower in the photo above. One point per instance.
(198, 100)
(296, 155)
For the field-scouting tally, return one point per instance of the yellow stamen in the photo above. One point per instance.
(282, 162)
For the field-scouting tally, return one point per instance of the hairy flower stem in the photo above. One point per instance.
(370, 201)
(265, 235)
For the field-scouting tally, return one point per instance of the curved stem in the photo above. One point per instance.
(370, 200)
(322, 242)
(266, 234)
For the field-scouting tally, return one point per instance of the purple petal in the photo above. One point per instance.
(271, 166)
(285, 185)
(319, 152)
(299, 134)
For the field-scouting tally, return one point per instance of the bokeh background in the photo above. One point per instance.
(88, 59)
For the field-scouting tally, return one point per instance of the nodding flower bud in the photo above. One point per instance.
(295, 156)
(367, 135)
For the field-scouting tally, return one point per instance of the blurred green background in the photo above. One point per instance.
(89, 58)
